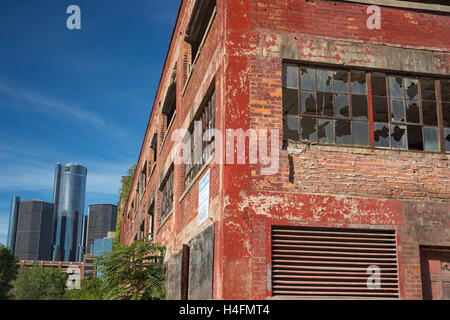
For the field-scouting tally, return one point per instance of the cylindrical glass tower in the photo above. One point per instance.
(69, 193)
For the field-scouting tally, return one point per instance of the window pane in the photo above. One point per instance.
(290, 127)
(290, 76)
(381, 135)
(341, 106)
(324, 80)
(446, 114)
(412, 112)
(431, 137)
(359, 107)
(379, 84)
(341, 81)
(290, 101)
(447, 139)
(309, 103)
(397, 111)
(308, 81)
(427, 89)
(361, 133)
(380, 109)
(429, 113)
(398, 134)
(358, 79)
(396, 87)
(412, 89)
(415, 139)
(325, 103)
(308, 129)
(343, 132)
(326, 131)
(445, 90)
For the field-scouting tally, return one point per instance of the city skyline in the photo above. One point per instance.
(76, 95)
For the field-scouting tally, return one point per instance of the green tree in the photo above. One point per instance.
(126, 182)
(136, 272)
(8, 271)
(91, 289)
(39, 283)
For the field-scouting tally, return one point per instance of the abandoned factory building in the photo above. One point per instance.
(354, 98)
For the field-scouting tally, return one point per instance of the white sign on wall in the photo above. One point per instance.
(203, 199)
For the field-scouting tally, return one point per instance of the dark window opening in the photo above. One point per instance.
(198, 25)
(170, 103)
(206, 115)
(167, 195)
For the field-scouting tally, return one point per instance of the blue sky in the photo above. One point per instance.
(81, 96)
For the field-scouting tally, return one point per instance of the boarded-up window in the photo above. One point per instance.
(334, 262)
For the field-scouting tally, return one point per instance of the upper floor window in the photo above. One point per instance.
(170, 103)
(206, 116)
(351, 107)
(198, 27)
(167, 195)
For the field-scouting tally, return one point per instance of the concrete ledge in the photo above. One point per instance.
(402, 4)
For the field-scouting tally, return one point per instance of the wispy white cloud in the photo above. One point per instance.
(4, 221)
(41, 103)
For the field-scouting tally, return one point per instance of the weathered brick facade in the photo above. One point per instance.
(316, 185)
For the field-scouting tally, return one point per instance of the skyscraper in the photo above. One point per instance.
(34, 230)
(101, 220)
(12, 228)
(69, 193)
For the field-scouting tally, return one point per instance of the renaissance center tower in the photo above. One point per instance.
(68, 196)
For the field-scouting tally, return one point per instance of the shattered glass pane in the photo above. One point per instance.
(343, 132)
(380, 109)
(290, 127)
(412, 88)
(379, 84)
(326, 131)
(308, 129)
(445, 90)
(308, 80)
(358, 79)
(361, 133)
(341, 81)
(397, 111)
(412, 112)
(325, 103)
(324, 80)
(341, 106)
(290, 101)
(446, 114)
(359, 107)
(431, 139)
(428, 89)
(381, 135)
(396, 87)
(398, 134)
(415, 139)
(429, 113)
(447, 139)
(308, 102)
(290, 76)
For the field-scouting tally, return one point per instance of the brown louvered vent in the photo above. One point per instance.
(333, 262)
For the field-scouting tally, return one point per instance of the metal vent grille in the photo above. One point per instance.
(333, 262)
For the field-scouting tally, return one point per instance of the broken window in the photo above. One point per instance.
(331, 106)
(170, 103)
(206, 115)
(325, 106)
(199, 24)
(153, 147)
(166, 195)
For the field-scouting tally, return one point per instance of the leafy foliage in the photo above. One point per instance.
(91, 289)
(8, 271)
(116, 241)
(126, 182)
(136, 272)
(39, 283)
